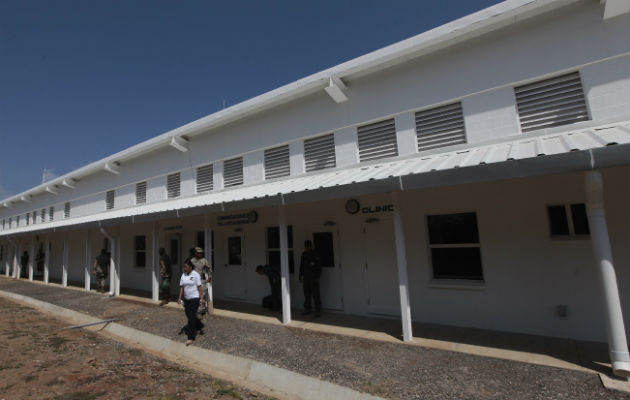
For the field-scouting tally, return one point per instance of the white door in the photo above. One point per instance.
(331, 284)
(380, 266)
(174, 251)
(232, 274)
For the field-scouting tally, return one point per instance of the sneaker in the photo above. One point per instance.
(188, 342)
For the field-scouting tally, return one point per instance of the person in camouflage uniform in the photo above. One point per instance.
(165, 277)
(101, 265)
(202, 266)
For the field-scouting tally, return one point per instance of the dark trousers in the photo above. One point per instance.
(276, 298)
(311, 289)
(165, 292)
(194, 324)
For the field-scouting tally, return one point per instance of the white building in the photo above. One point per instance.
(456, 176)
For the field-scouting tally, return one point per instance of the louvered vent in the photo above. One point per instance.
(377, 140)
(51, 213)
(173, 188)
(205, 178)
(110, 197)
(440, 127)
(28, 218)
(17, 221)
(319, 153)
(233, 172)
(34, 217)
(277, 162)
(66, 209)
(43, 215)
(141, 192)
(552, 102)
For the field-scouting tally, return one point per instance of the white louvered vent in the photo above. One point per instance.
(110, 197)
(233, 172)
(34, 217)
(205, 178)
(319, 153)
(141, 192)
(28, 218)
(551, 102)
(51, 213)
(173, 188)
(377, 140)
(440, 127)
(277, 162)
(43, 215)
(66, 209)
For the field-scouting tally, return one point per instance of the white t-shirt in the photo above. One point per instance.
(190, 283)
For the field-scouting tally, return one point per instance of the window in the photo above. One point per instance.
(277, 162)
(323, 242)
(273, 246)
(234, 250)
(568, 220)
(233, 172)
(51, 213)
(319, 153)
(66, 210)
(440, 127)
(140, 251)
(205, 178)
(173, 188)
(551, 102)
(43, 215)
(28, 218)
(110, 196)
(377, 140)
(454, 246)
(141, 192)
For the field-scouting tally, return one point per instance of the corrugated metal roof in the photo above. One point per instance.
(530, 148)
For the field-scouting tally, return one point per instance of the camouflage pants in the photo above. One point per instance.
(100, 279)
(203, 306)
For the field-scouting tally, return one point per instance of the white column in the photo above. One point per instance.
(208, 249)
(617, 344)
(46, 260)
(115, 269)
(87, 276)
(284, 266)
(7, 260)
(17, 261)
(155, 260)
(64, 267)
(401, 262)
(31, 261)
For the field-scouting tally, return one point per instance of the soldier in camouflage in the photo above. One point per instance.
(202, 266)
(165, 277)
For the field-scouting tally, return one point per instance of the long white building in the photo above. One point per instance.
(474, 175)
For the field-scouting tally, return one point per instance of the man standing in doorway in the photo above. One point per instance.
(101, 267)
(165, 277)
(23, 263)
(310, 272)
(202, 266)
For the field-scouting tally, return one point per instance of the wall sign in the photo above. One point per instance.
(378, 209)
(174, 228)
(352, 206)
(238, 219)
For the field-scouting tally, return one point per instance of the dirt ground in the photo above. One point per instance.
(40, 360)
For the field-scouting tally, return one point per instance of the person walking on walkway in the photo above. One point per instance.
(310, 272)
(165, 277)
(101, 265)
(202, 266)
(192, 294)
(272, 273)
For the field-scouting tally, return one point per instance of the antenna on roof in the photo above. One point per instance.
(44, 175)
(224, 104)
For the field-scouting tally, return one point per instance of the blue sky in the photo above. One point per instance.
(80, 80)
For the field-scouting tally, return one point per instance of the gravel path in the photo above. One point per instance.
(391, 370)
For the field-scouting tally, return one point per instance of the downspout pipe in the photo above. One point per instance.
(615, 330)
(114, 267)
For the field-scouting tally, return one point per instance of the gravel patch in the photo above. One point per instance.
(391, 370)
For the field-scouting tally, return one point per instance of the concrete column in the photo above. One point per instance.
(208, 249)
(155, 260)
(17, 265)
(284, 266)
(7, 260)
(617, 344)
(64, 269)
(46, 260)
(31, 261)
(87, 276)
(401, 262)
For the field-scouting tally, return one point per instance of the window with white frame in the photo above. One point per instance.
(440, 127)
(173, 187)
(568, 220)
(551, 102)
(233, 172)
(319, 153)
(140, 251)
(454, 246)
(205, 178)
(110, 198)
(277, 162)
(51, 213)
(273, 247)
(66, 210)
(377, 140)
(141, 192)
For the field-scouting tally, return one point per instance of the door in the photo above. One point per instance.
(233, 271)
(331, 284)
(174, 251)
(380, 266)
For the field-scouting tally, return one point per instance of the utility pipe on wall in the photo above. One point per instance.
(284, 266)
(87, 278)
(403, 280)
(617, 343)
(155, 259)
(208, 249)
(46, 260)
(64, 269)
(114, 265)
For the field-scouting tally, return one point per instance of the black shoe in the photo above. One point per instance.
(307, 312)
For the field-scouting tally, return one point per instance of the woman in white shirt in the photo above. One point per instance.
(190, 290)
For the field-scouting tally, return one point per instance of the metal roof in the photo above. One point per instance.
(522, 156)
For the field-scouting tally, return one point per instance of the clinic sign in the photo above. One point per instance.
(238, 219)
(353, 207)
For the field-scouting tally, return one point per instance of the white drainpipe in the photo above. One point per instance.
(114, 265)
(617, 344)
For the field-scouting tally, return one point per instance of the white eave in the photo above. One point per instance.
(484, 21)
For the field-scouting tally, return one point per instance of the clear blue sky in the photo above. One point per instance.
(83, 79)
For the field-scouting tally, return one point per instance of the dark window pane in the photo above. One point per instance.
(273, 258)
(141, 259)
(323, 244)
(290, 235)
(234, 250)
(201, 241)
(273, 237)
(558, 220)
(453, 228)
(580, 221)
(457, 263)
(141, 243)
(291, 262)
